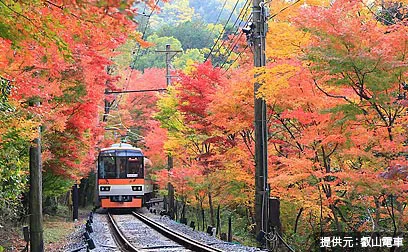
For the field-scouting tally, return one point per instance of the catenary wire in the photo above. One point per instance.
(222, 32)
(234, 43)
(129, 76)
(216, 22)
(242, 12)
(238, 56)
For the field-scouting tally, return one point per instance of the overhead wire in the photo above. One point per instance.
(116, 102)
(238, 56)
(234, 43)
(230, 50)
(242, 12)
(222, 32)
(282, 10)
(144, 32)
(129, 76)
(237, 38)
(146, 26)
(216, 22)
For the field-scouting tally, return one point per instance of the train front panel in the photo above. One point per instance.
(121, 193)
(121, 182)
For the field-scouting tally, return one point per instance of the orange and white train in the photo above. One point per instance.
(122, 177)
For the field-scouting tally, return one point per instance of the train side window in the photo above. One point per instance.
(147, 167)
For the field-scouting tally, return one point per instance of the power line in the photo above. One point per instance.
(243, 11)
(115, 103)
(146, 26)
(135, 91)
(230, 50)
(216, 22)
(138, 50)
(282, 10)
(234, 43)
(222, 32)
(239, 55)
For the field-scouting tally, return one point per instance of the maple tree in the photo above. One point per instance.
(335, 90)
(189, 105)
(209, 136)
(334, 83)
(131, 115)
(56, 53)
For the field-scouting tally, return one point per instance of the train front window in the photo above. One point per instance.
(120, 164)
(135, 167)
(107, 167)
(121, 161)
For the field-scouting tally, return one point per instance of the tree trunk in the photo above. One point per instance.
(297, 220)
(81, 192)
(377, 213)
(91, 188)
(218, 230)
(198, 218)
(85, 193)
(212, 217)
(202, 215)
(251, 215)
(336, 219)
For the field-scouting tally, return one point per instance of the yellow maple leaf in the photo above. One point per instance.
(284, 40)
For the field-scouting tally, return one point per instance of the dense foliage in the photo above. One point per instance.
(336, 94)
(335, 85)
(55, 54)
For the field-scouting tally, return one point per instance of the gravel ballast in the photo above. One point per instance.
(197, 235)
(101, 236)
(143, 236)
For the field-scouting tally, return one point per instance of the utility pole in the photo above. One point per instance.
(261, 131)
(36, 218)
(168, 76)
(170, 188)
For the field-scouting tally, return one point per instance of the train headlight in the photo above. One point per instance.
(136, 188)
(105, 188)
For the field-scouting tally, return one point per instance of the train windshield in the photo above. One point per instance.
(120, 164)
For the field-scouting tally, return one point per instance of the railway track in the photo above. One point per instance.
(138, 233)
(120, 239)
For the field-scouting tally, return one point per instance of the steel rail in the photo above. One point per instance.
(175, 236)
(120, 238)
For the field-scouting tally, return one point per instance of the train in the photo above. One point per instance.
(123, 177)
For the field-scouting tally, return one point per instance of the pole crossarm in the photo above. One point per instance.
(119, 128)
(168, 56)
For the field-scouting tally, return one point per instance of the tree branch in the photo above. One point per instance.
(331, 95)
